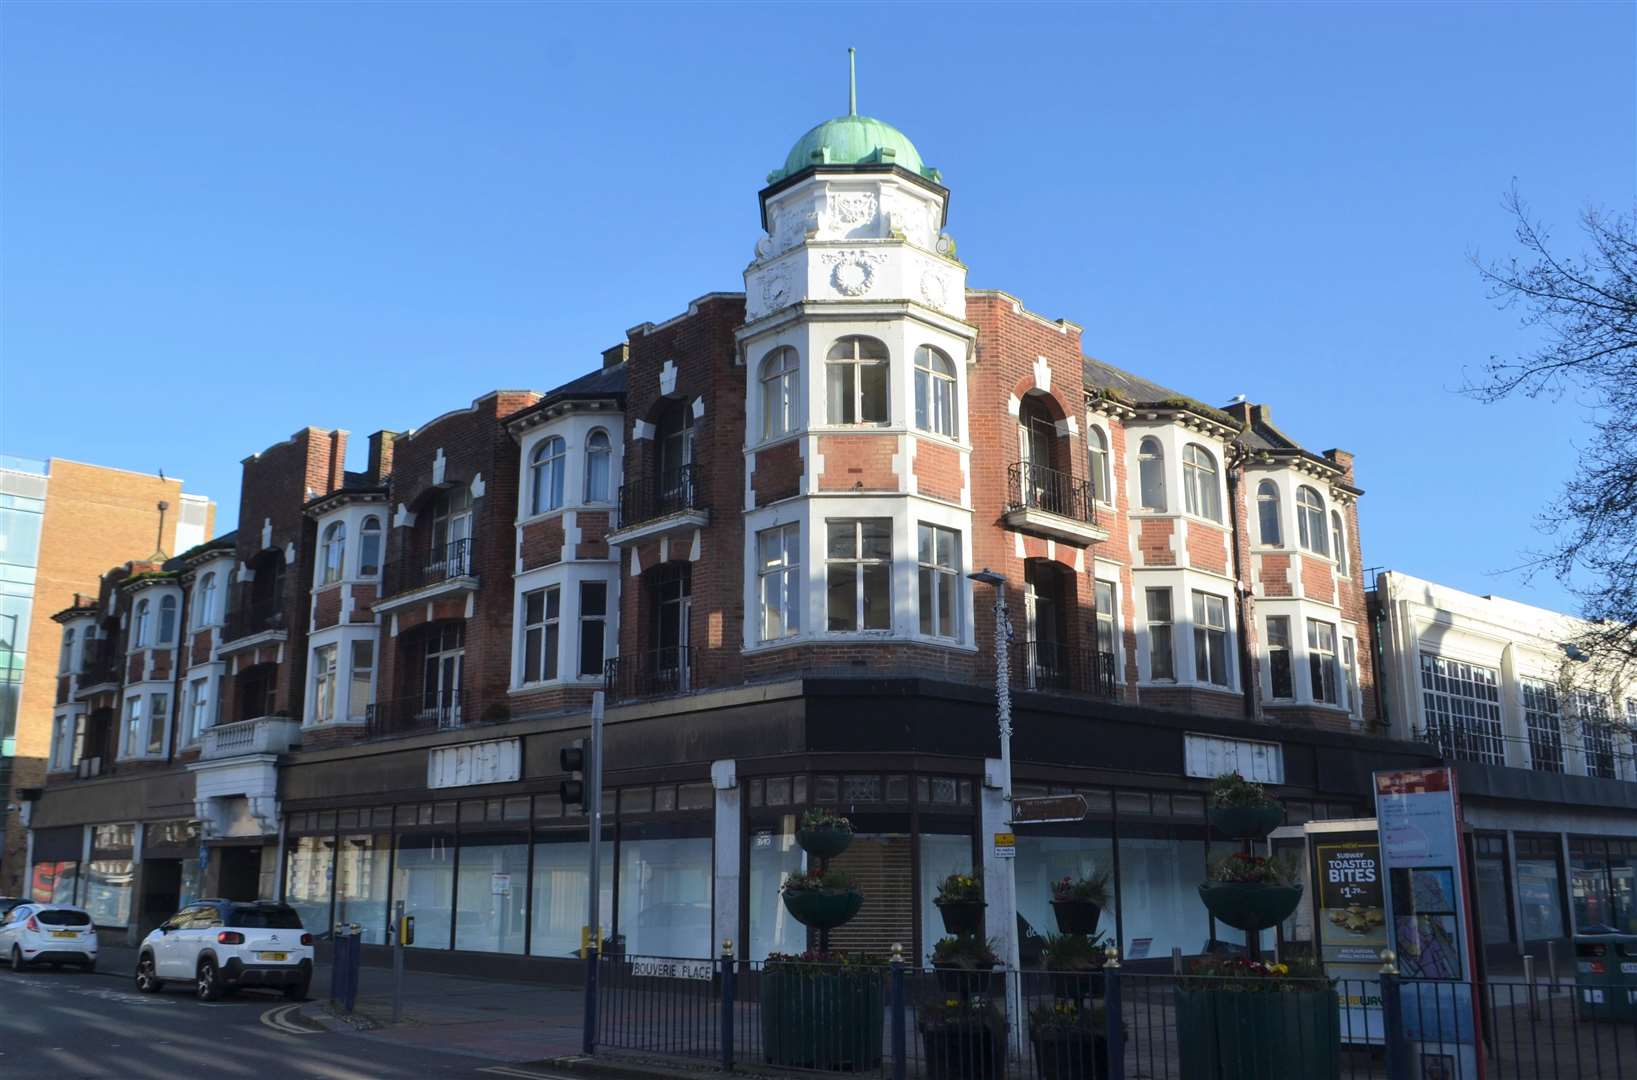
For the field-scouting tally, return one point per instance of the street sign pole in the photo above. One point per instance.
(594, 822)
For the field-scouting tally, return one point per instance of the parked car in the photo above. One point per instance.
(54, 934)
(9, 902)
(225, 945)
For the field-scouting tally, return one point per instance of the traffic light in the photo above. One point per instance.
(572, 758)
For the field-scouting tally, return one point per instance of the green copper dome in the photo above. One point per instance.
(853, 140)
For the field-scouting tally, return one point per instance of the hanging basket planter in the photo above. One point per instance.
(962, 916)
(824, 843)
(1250, 905)
(1246, 822)
(1077, 916)
(822, 909)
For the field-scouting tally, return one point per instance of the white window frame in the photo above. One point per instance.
(1267, 493)
(325, 659)
(780, 378)
(1285, 647)
(1312, 523)
(1156, 625)
(1098, 450)
(778, 581)
(860, 565)
(140, 624)
(359, 710)
(845, 360)
(1201, 483)
(1109, 618)
(937, 393)
(1210, 634)
(1151, 466)
(1338, 540)
(595, 451)
(547, 466)
(591, 623)
(66, 661)
(550, 632)
(333, 553)
(204, 601)
(936, 573)
(1323, 663)
(198, 708)
(368, 568)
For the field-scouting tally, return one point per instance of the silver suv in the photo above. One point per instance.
(223, 945)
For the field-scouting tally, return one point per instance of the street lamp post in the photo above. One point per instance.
(1003, 708)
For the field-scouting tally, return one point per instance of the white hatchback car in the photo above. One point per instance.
(54, 934)
(222, 945)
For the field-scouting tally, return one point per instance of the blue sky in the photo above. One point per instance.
(224, 222)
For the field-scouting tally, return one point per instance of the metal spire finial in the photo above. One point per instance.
(852, 82)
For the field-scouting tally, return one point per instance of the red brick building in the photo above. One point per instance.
(753, 525)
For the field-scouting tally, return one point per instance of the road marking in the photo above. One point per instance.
(127, 998)
(279, 1020)
(514, 1070)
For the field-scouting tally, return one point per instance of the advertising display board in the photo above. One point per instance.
(1428, 924)
(1351, 925)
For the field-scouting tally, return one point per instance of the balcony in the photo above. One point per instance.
(442, 710)
(1054, 668)
(100, 670)
(263, 735)
(659, 673)
(255, 623)
(450, 568)
(673, 501)
(1053, 504)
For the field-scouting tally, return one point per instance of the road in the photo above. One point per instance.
(68, 1025)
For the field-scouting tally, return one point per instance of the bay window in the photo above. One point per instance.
(934, 392)
(1280, 670)
(1161, 657)
(204, 601)
(158, 716)
(1151, 474)
(1310, 528)
(1321, 662)
(139, 625)
(133, 726)
(323, 684)
(593, 626)
(1338, 540)
(198, 708)
(1267, 513)
(1200, 491)
(546, 475)
(781, 374)
(1097, 455)
(599, 464)
(858, 574)
(369, 547)
(363, 669)
(333, 553)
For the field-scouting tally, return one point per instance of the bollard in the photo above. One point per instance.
(1176, 959)
(900, 1040)
(1551, 966)
(1529, 980)
(727, 1004)
(1111, 1006)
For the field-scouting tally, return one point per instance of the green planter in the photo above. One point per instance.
(1069, 1054)
(822, 909)
(822, 1020)
(1077, 916)
(962, 916)
(1246, 822)
(966, 1051)
(1238, 1035)
(1250, 905)
(824, 843)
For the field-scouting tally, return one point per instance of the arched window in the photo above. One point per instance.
(1199, 487)
(167, 620)
(369, 547)
(1097, 453)
(934, 391)
(546, 475)
(781, 383)
(139, 625)
(204, 601)
(855, 380)
(1151, 473)
(68, 651)
(599, 462)
(1267, 513)
(1310, 520)
(333, 553)
(1338, 541)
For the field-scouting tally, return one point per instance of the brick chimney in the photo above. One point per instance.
(380, 456)
(1343, 460)
(617, 355)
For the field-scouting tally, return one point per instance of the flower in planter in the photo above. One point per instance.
(1244, 975)
(818, 962)
(965, 951)
(1242, 869)
(977, 1010)
(821, 819)
(831, 881)
(960, 889)
(1232, 790)
(1091, 888)
(1073, 952)
(1068, 1016)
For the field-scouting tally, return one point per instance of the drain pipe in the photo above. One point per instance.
(1249, 681)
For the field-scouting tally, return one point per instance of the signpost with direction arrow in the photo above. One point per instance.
(1048, 808)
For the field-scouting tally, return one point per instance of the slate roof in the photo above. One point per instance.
(1101, 376)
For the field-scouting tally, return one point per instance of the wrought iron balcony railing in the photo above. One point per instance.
(670, 492)
(435, 711)
(657, 673)
(1054, 667)
(254, 619)
(1035, 487)
(101, 666)
(452, 560)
